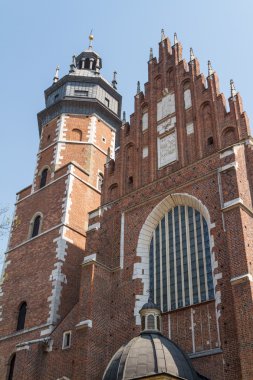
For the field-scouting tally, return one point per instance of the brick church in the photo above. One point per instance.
(131, 254)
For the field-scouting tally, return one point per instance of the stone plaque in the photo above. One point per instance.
(189, 128)
(167, 149)
(166, 106)
(167, 125)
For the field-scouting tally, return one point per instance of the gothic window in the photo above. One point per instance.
(180, 260)
(36, 226)
(21, 316)
(100, 181)
(43, 178)
(11, 367)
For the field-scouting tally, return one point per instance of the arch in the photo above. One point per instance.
(129, 165)
(141, 269)
(11, 366)
(229, 136)
(35, 225)
(170, 78)
(150, 322)
(76, 135)
(21, 316)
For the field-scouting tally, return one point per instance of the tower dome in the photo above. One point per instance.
(150, 353)
(147, 355)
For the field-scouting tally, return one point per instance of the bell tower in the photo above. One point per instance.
(77, 131)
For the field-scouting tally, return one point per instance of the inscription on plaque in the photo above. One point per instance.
(166, 106)
(167, 149)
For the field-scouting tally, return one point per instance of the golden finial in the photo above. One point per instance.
(91, 38)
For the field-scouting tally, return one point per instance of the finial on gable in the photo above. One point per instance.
(73, 64)
(232, 88)
(151, 54)
(114, 81)
(124, 117)
(210, 69)
(175, 39)
(138, 87)
(162, 35)
(192, 56)
(56, 76)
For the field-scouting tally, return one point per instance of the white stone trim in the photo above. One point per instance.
(226, 153)
(88, 259)
(92, 128)
(94, 226)
(84, 324)
(122, 239)
(228, 166)
(243, 278)
(94, 214)
(61, 131)
(232, 202)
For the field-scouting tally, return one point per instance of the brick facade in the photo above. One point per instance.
(87, 270)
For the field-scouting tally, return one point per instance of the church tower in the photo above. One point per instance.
(43, 261)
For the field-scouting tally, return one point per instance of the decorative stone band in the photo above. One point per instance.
(47, 342)
(240, 279)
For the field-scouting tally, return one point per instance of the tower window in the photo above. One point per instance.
(11, 367)
(87, 63)
(150, 322)
(36, 226)
(21, 316)
(56, 96)
(82, 92)
(210, 140)
(43, 179)
(107, 102)
(66, 340)
(130, 180)
(180, 260)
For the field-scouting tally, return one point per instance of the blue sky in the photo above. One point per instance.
(35, 36)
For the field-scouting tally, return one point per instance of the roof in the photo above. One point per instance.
(149, 354)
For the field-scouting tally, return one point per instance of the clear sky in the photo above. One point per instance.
(35, 36)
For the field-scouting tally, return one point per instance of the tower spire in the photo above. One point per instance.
(91, 38)
(232, 88)
(56, 76)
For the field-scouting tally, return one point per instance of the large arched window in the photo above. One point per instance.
(180, 260)
(11, 367)
(21, 316)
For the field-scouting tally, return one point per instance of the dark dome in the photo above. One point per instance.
(150, 354)
(150, 305)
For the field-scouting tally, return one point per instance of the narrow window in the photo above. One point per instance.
(87, 63)
(56, 97)
(43, 179)
(143, 322)
(158, 323)
(21, 316)
(66, 341)
(107, 102)
(36, 226)
(11, 367)
(151, 322)
(210, 141)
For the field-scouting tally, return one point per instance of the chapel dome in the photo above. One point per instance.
(147, 355)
